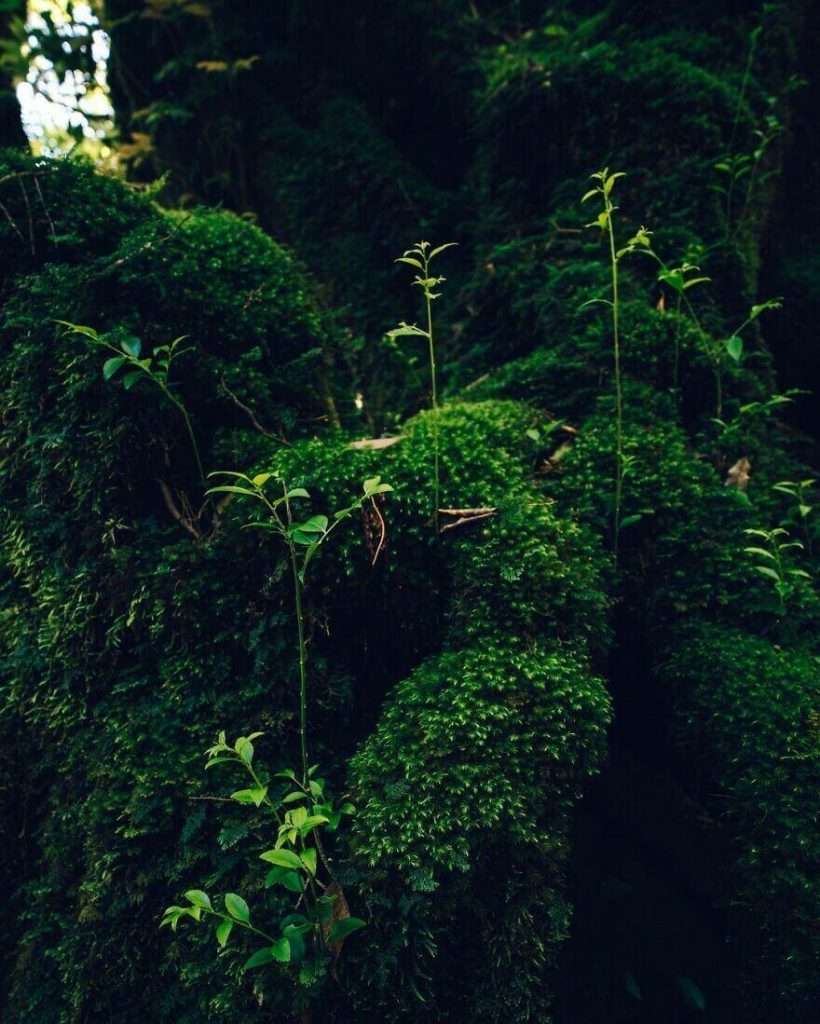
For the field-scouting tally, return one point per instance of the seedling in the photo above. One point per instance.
(798, 490)
(604, 221)
(156, 368)
(303, 539)
(774, 566)
(307, 937)
(420, 257)
(680, 280)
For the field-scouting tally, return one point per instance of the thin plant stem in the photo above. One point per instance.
(190, 429)
(300, 624)
(619, 478)
(300, 628)
(434, 400)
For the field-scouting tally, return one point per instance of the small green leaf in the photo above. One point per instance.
(297, 816)
(314, 821)
(346, 926)
(255, 795)
(130, 379)
(309, 859)
(244, 748)
(282, 858)
(87, 332)
(411, 261)
(610, 181)
(405, 330)
(223, 932)
(261, 479)
(237, 907)
(760, 551)
(281, 950)
(314, 525)
(764, 570)
(231, 489)
(734, 346)
(259, 958)
(110, 366)
(374, 485)
(292, 881)
(133, 346)
(198, 898)
(692, 995)
(441, 248)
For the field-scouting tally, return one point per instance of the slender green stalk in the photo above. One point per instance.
(300, 628)
(420, 256)
(189, 428)
(300, 624)
(616, 342)
(434, 402)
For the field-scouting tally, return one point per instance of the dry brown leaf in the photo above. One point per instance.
(738, 475)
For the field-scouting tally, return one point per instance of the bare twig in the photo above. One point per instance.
(246, 409)
(382, 534)
(45, 209)
(13, 223)
(483, 510)
(172, 507)
(476, 382)
(29, 218)
(465, 516)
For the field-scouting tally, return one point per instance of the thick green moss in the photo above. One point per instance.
(475, 742)
(748, 714)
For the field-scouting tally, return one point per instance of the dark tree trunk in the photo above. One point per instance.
(11, 126)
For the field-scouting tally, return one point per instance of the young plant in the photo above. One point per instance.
(737, 429)
(679, 280)
(798, 490)
(772, 550)
(603, 191)
(420, 256)
(734, 344)
(125, 357)
(309, 936)
(303, 538)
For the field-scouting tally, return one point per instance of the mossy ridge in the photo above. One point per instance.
(748, 713)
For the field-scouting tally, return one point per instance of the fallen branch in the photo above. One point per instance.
(465, 516)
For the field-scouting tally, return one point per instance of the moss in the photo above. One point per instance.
(748, 719)
(62, 210)
(461, 746)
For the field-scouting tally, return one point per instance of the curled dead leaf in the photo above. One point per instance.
(738, 475)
